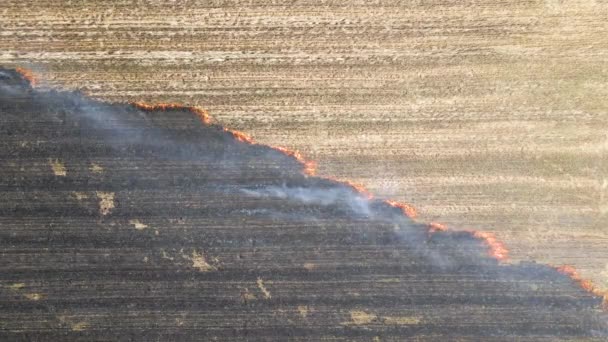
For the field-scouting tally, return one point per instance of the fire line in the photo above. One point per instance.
(496, 249)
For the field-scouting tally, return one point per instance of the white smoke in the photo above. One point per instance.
(338, 196)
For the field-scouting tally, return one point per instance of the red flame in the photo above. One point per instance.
(28, 75)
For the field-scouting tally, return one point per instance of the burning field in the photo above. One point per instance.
(153, 223)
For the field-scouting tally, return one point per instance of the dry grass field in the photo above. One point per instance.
(133, 222)
(485, 114)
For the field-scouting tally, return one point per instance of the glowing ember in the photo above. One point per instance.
(28, 75)
(407, 209)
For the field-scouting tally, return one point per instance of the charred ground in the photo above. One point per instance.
(119, 223)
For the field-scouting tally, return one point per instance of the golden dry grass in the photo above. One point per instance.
(483, 114)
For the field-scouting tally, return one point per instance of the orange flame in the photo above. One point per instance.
(496, 248)
(407, 209)
(436, 227)
(357, 187)
(240, 136)
(573, 273)
(310, 167)
(28, 75)
(587, 285)
(201, 113)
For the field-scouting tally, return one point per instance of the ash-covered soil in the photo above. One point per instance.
(118, 223)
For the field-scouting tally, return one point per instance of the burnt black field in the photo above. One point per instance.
(122, 224)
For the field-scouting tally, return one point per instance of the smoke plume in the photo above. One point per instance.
(150, 222)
